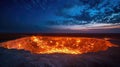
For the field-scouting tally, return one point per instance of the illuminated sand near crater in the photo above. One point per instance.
(67, 45)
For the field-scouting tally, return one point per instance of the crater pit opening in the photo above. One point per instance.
(67, 45)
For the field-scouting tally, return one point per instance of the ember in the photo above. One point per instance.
(67, 45)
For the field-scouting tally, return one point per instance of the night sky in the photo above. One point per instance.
(81, 16)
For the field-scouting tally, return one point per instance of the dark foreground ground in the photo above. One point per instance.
(21, 58)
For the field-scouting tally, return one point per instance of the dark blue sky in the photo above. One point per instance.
(83, 16)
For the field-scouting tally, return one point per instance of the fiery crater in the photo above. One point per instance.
(67, 45)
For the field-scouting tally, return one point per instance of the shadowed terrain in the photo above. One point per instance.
(21, 58)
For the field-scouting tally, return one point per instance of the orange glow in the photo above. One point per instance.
(68, 45)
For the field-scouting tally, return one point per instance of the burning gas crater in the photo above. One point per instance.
(67, 45)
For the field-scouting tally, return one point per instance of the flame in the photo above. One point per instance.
(68, 45)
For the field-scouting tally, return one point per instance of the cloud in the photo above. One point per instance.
(104, 12)
(43, 14)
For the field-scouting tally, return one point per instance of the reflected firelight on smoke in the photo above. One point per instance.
(67, 45)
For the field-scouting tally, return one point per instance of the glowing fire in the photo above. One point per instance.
(68, 45)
